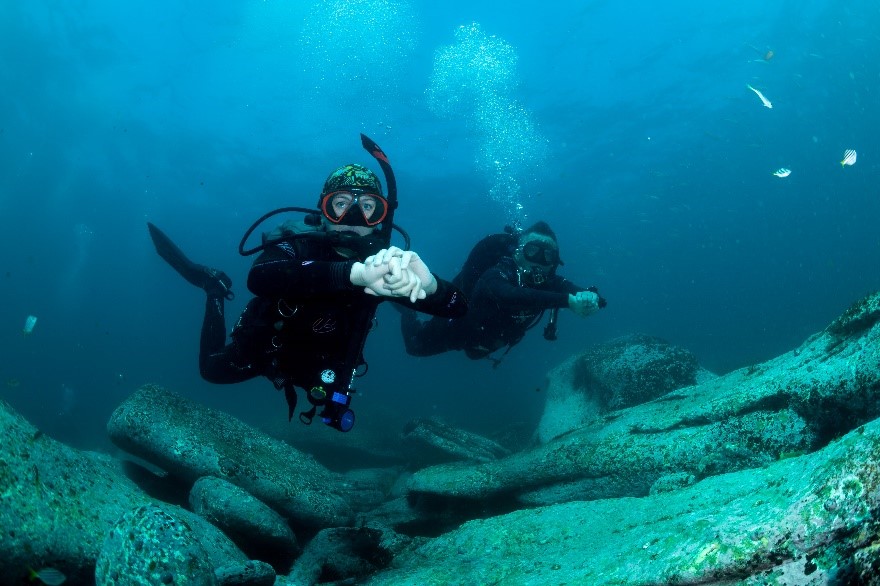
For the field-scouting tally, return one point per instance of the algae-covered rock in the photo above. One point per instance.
(618, 374)
(56, 502)
(803, 520)
(792, 404)
(190, 440)
(152, 545)
(250, 522)
(251, 573)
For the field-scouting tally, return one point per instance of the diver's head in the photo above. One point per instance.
(537, 253)
(352, 200)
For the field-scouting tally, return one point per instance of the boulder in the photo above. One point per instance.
(431, 440)
(255, 527)
(801, 520)
(251, 573)
(345, 553)
(56, 503)
(153, 545)
(749, 418)
(621, 373)
(191, 441)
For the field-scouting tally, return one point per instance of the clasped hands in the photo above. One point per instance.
(584, 303)
(394, 272)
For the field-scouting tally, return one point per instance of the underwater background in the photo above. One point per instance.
(628, 126)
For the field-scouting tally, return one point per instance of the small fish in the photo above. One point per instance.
(29, 324)
(782, 172)
(48, 576)
(764, 100)
(849, 158)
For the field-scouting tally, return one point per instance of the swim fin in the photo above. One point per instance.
(211, 280)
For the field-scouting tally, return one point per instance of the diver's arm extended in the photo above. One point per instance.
(506, 293)
(446, 300)
(278, 274)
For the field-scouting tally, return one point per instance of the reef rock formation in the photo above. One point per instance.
(749, 418)
(431, 440)
(56, 503)
(190, 441)
(614, 375)
(766, 475)
(254, 526)
(153, 545)
(805, 520)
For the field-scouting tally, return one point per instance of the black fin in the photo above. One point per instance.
(211, 280)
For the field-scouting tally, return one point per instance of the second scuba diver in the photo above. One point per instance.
(510, 280)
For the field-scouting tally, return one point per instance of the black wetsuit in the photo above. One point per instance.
(307, 323)
(501, 309)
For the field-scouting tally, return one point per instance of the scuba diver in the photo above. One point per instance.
(317, 284)
(510, 280)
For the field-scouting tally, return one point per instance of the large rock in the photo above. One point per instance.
(251, 573)
(749, 418)
(345, 553)
(621, 373)
(191, 441)
(153, 545)
(56, 503)
(805, 520)
(249, 522)
(429, 440)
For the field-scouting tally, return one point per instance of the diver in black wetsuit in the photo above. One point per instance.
(317, 284)
(510, 280)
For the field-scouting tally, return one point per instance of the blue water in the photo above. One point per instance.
(627, 125)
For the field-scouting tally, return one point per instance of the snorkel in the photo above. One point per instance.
(381, 158)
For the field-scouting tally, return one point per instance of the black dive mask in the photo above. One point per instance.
(541, 253)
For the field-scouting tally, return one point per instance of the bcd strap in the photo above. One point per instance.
(290, 395)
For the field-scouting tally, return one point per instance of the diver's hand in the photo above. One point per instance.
(403, 282)
(386, 279)
(370, 277)
(412, 261)
(385, 255)
(584, 303)
(400, 280)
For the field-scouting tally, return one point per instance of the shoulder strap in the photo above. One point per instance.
(483, 256)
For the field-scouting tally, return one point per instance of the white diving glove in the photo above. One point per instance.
(403, 282)
(408, 276)
(413, 262)
(370, 277)
(584, 303)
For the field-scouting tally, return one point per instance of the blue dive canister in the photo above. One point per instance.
(339, 415)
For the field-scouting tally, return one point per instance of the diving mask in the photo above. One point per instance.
(369, 208)
(541, 252)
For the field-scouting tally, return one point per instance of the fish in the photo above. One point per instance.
(29, 324)
(764, 100)
(782, 172)
(48, 576)
(849, 158)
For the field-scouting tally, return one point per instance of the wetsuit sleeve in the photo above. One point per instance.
(507, 294)
(446, 301)
(279, 273)
(563, 284)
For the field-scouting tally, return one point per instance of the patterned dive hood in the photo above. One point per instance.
(352, 176)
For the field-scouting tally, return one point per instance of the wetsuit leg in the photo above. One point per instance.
(427, 338)
(220, 362)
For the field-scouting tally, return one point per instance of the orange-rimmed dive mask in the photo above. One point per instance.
(354, 207)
